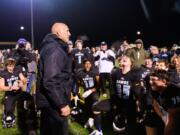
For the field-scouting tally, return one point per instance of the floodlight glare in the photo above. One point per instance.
(22, 28)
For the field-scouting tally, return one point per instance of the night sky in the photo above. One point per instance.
(107, 20)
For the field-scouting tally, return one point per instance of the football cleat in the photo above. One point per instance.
(89, 123)
(96, 132)
(8, 121)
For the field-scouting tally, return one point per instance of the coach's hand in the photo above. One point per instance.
(65, 111)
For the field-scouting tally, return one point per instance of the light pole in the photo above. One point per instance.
(32, 25)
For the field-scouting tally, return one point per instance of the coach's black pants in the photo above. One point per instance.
(52, 123)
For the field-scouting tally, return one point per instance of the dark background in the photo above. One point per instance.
(107, 20)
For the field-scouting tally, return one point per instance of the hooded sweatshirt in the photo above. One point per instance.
(138, 55)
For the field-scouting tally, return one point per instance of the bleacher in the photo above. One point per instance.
(7, 45)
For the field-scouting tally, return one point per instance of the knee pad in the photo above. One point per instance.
(8, 121)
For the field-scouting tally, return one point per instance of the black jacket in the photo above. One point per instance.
(54, 74)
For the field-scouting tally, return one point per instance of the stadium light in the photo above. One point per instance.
(22, 28)
(138, 32)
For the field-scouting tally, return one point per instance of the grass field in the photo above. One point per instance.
(74, 127)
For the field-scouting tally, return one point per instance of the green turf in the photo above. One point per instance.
(76, 129)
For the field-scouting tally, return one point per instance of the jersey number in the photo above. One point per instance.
(89, 83)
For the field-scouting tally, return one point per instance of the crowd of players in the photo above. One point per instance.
(134, 87)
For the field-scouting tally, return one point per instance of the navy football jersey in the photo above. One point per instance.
(122, 83)
(79, 56)
(88, 79)
(11, 78)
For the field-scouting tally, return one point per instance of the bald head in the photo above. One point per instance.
(61, 30)
(57, 26)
